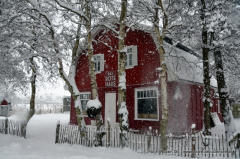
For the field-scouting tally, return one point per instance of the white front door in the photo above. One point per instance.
(110, 109)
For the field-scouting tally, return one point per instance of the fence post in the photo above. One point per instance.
(6, 126)
(57, 132)
(109, 128)
(193, 155)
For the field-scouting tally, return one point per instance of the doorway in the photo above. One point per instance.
(110, 109)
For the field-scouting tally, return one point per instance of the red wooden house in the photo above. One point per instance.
(185, 86)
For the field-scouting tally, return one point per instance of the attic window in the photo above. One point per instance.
(146, 104)
(132, 57)
(99, 62)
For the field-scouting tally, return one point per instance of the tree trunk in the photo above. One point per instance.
(206, 76)
(98, 117)
(33, 87)
(206, 95)
(122, 108)
(162, 74)
(90, 54)
(229, 124)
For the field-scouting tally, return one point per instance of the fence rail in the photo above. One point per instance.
(13, 127)
(186, 145)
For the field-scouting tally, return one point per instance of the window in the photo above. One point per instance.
(146, 104)
(99, 62)
(132, 56)
(84, 98)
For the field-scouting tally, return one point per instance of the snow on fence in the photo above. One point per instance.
(185, 145)
(13, 127)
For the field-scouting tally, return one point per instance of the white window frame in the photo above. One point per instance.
(81, 93)
(136, 102)
(133, 53)
(99, 61)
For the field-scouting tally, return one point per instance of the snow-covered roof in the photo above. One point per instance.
(185, 66)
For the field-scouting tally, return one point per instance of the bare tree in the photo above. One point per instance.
(122, 108)
(164, 17)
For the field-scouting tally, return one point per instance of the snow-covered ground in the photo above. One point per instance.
(40, 143)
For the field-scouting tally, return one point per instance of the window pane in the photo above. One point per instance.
(148, 93)
(130, 50)
(130, 59)
(95, 63)
(154, 93)
(127, 50)
(151, 92)
(85, 96)
(98, 66)
(147, 108)
(138, 94)
(130, 62)
(145, 94)
(84, 104)
(141, 93)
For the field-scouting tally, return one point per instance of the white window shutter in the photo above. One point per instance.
(101, 62)
(135, 55)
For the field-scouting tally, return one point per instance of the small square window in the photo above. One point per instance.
(98, 62)
(131, 57)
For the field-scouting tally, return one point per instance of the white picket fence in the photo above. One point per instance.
(87, 137)
(13, 127)
(185, 145)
